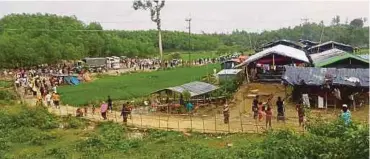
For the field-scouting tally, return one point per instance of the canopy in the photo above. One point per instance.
(195, 88)
(279, 50)
(312, 76)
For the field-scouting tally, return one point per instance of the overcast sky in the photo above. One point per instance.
(207, 16)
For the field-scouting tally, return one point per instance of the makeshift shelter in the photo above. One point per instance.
(323, 82)
(195, 88)
(267, 65)
(229, 64)
(230, 74)
(338, 59)
(280, 42)
(307, 43)
(330, 45)
(67, 78)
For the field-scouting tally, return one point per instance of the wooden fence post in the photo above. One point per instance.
(168, 118)
(191, 123)
(228, 126)
(178, 125)
(215, 122)
(257, 124)
(159, 121)
(115, 115)
(203, 124)
(141, 120)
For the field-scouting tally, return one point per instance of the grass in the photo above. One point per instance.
(193, 55)
(131, 86)
(5, 84)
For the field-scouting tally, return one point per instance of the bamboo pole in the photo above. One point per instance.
(203, 125)
(178, 125)
(168, 118)
(191, 123)
(141, 120)
(216, 123)
(159, 121)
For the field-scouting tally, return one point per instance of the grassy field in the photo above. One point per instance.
(193, 55)
(131, 85)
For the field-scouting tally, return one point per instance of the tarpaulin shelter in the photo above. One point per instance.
(230, 74)
(330, 45)
(267, 64)
(195, 88)
(338, 59)
(322, 82)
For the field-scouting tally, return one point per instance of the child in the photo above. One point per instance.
(260, 111)
(300, 110)
(268, 117)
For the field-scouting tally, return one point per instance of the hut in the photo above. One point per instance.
(229, 64)
(307, 43)
(280, 42)
(268, 65)
(331, 86)
(330, 45)
(338, 59)
(230, 74)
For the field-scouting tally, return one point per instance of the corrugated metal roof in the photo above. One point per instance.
(329, 42)
(229, 71)
(326, 54)
(365, 56)
(338, 57)
(280, 50)
(316, 76)
(195, 88)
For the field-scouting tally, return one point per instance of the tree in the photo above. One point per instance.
(155, 8)
(357, 23)
(335, 20)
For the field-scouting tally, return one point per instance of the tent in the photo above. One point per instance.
(283, 53)
(229, 74)
(195, 88)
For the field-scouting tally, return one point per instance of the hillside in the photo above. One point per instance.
(31, 39)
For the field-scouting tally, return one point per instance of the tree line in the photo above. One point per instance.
(33, 39)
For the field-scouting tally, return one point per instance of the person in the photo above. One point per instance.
(85, 111)
(103, 110)
(300, 110)
(226, 113)
(280, 109)
(56, 99)
(110, 104)
(346, 114)
(79, 112)
(129, 108)
(260, 111)
(93, 108)
(255, 107)
(189, 107)
(48, 99)
(124, 113)
(268, 117)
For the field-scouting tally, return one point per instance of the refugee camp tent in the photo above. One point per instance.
(307, 43)
(229, 64)
(338, 59)
(267, 65)
(284, 54)
(330, 45)
(230, 74)
(280, 42)
(195, 88)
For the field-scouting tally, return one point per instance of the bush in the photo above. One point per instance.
(7, 95)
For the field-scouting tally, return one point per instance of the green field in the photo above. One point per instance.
(193, 55)
(34, 133)
(131, 85)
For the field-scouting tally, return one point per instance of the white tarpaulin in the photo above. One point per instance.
(280, 50)
(306, 100)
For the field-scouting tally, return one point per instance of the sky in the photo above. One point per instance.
(207, 16)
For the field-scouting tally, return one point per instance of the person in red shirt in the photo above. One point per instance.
(268, 117)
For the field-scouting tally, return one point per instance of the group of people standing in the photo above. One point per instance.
(261, 110)
(108, 105)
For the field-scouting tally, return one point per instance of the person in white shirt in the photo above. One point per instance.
(48, 99)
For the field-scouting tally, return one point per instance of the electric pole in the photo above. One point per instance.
(189, 29)
(304, 22)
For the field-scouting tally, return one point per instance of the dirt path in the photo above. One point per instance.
(239, 122)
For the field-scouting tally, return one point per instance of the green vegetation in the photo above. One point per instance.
(34, 133)
(193, 55)
(32, 39)
(132, 85)
(5, 84)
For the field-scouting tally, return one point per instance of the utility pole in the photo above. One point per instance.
(304, 22)
(189, 29)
